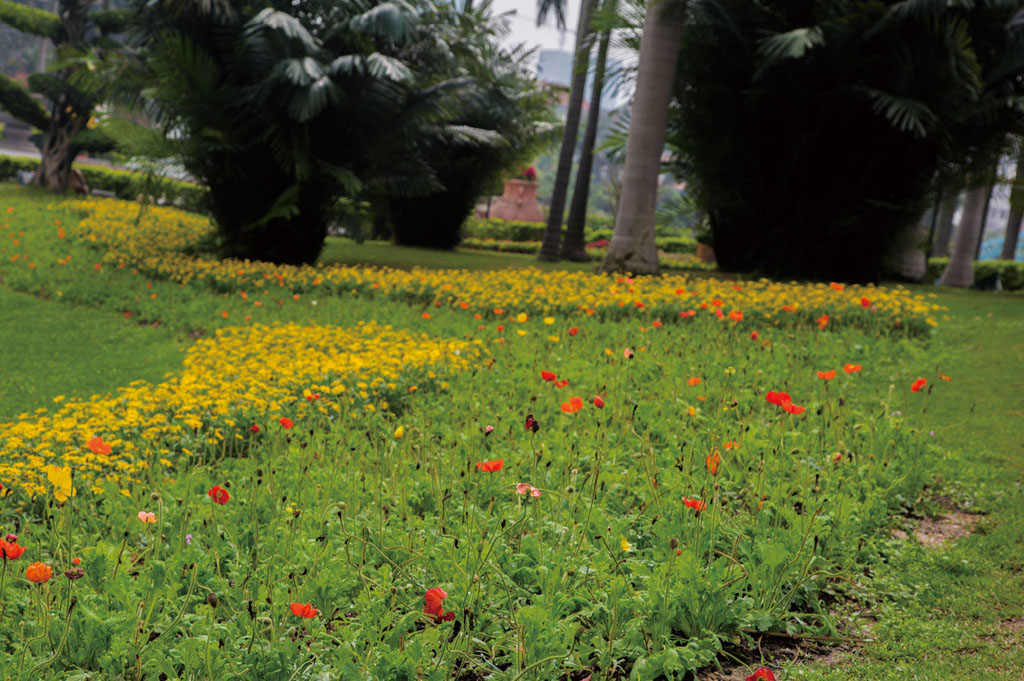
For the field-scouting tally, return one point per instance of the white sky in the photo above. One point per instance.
(524, 24)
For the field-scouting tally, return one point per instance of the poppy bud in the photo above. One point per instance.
(75, 573)
(673, 542)
(212, 600)
(12, 537)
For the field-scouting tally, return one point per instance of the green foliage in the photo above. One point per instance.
(816, 132)
(29, 19)
(17, 101)
(124, 184)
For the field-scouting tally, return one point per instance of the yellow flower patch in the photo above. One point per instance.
(239, 377)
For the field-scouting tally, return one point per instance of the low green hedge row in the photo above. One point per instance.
(123, 183)
(1010, 272)
(666, 244)
(478, 229)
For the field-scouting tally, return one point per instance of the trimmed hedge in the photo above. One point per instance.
(1009, 272)
(666, 244)
(493, 229)
(124, 184)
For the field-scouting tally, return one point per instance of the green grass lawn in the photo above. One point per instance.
(343, 251)
(359, 511)
(49, 349)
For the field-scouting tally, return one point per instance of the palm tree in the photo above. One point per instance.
(632, 248)
(573, 242)
(960, 271)
(584, 42)
(1016, 211)
(944, 226)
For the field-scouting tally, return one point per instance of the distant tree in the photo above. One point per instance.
(817, 131)
(1016, 215)
(75, 30)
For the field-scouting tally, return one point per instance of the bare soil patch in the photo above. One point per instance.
(932, 533)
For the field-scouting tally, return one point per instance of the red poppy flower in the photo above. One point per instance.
(305, 610)
(313, 397)
(548, 376)
(561, 384)
(254, 428)
(777, 398)
(688, 313)
(753, 335)
(864, 302)
(918, 384)
(11, 550)
(837, 287)
(219, 495)
(98, 446)
(598, 402)
(851, 368)
(693, 380)
(573, 405)
(532, 424)
(286, 422)
(736, 316)
(490, 466)
(573, 331)
(433, 598)
(719, 313)
(823, 321)
(696, 504)
(827, 375)
(762, 674)
(791, 408)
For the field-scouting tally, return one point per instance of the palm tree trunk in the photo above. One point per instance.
(573, 243)
(960, 271)
(1016, 212)
(632, 248)
(944, 227)
(584, 41)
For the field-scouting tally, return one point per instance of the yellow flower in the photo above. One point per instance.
(60, 478)
(522, 317)
(399, 431)
(626, 546)
(549, 320)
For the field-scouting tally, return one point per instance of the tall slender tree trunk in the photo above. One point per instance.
(632, 248)
(944, 227)
(1016, 212)
(960, 271)
(574, 241)
(580, 64)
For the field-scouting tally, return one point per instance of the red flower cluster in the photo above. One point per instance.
(433, 598)
(696, 504)
(785, 401)
(918, 384)
(490, 466)
(11, 550)
(573, 405)
(305, 610)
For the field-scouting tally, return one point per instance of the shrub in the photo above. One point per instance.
(1010, 272)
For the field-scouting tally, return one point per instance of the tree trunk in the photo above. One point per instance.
(574, 242)
(906, 259)
(632, 248)
(65, 120)
(944, 227)
(581, 62)
(960, 271)
(1016, 212)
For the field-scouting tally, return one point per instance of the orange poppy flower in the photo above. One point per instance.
(791, 408)
(851, 368)
(918, 384)
(693, 380)
(827, 375)
(561, 384)
(696, 504)
(731, 444)
(836, 287)
(98, 446)
(305, 610)
(736, 316)
(39, 573)
(490, 466)
(944, 377)
(777, 398)
(753, 335)
(573, 405)
(286, 422)
(823, 321)
(712, 461)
